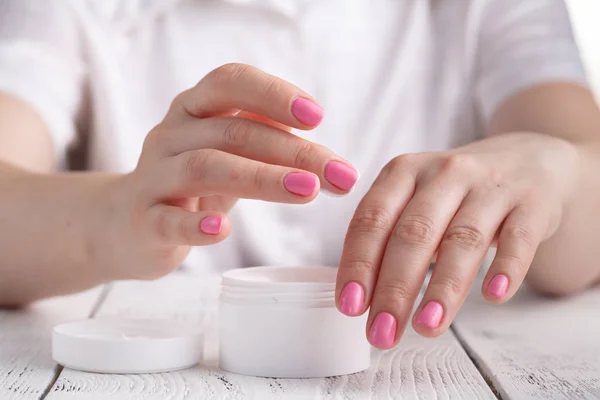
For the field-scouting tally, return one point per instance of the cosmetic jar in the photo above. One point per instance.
(282, 322)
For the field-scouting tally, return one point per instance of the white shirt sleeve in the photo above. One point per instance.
(41, 63)
(523, 43)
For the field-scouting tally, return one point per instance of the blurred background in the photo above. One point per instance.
(585, 15)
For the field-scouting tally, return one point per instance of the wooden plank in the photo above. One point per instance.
(26, 365)
(535, 347)
(419, 367)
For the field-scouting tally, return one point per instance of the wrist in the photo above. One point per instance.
(106, 206)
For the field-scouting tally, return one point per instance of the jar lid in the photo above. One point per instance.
(127, 346)
(300, 278)
(306, 286)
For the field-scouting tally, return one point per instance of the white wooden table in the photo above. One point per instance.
(529, 348)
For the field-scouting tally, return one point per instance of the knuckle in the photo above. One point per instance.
(361, 267)
(258, 174)
(196, 164)
(394, 290)
(155, 139)
(448, 284)
(237, 174)
(372, 218)
(186, 103)
(401, 163)
(178, 100)
(272, 87)
(251, 177)
(458, 162)
(415, 230)
(304, 155)
(466, 236)
(228, 73)
(519, 233)
(237, 133)
(511, 262)
(404, 167)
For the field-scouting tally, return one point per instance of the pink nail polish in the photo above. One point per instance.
(352, 299)
(300, 183)
(383, 330)
(212, 225)
(341, 175)
(307, 111)
(431, 315)
(498, 286)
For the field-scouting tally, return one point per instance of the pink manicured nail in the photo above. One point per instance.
(498, 286)
(341, 175)
(307, 111)
(383, 330)
(352, 299)
(212, 225)
(300, 183)
(431, 315)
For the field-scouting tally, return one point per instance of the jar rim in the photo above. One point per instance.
(277, 276)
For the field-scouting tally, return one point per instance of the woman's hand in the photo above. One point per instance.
(226, 138)
(510, 189)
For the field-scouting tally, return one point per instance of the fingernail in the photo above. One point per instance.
(498, 286)
(301, 183)
(383, 330)
(212, 225)
(341, 175)
(431, 315)
(307, 111)
(352, 299)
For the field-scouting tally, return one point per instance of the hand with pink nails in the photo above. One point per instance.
(508, 191)
(226, 138)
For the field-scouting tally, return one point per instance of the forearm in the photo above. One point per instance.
(570, 260)
(51, 229)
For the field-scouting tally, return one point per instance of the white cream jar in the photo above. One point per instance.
(282, 322)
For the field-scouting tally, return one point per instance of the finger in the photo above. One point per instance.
(460, 254)
(411, 246)
(239, 86)
(221, 204)
(207, 172)
(254, 117)
(519, 239)
(254, 140)
(264, 120)
(368, 234)
(176, 226)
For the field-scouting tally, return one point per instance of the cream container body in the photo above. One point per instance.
(282, 322)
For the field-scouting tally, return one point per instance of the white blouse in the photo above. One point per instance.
(393, 77)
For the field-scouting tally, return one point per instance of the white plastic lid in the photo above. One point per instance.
(308, 286)
(311, 278)
(127, 346)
